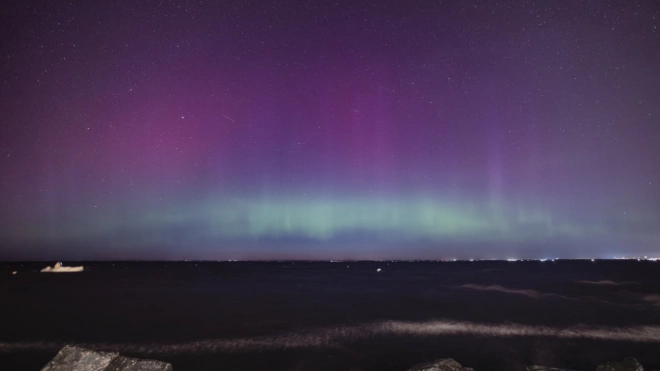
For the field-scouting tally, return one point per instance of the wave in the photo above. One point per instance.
(525, 292)
(653, 299)
(335, 336)
(606, 283)
(534, 294)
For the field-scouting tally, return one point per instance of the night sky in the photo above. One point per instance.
(329, 130)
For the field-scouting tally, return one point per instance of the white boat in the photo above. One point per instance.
(58, 268)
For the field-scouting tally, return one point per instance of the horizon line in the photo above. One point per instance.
(509, 260)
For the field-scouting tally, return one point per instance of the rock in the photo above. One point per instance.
(628, 364)
(134, 364)
(72, 358)
(445, 364)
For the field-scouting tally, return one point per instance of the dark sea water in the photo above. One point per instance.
(336, 316)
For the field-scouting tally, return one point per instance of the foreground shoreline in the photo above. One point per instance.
(78, 358)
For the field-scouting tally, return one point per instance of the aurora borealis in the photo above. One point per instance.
(329, 130)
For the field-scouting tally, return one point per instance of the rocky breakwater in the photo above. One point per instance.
(71, 358)
(448, 364)
(628, 364)
(445, 364)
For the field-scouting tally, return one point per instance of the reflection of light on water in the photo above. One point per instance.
(334, 336)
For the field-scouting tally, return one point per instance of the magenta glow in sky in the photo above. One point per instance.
(251, 129)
